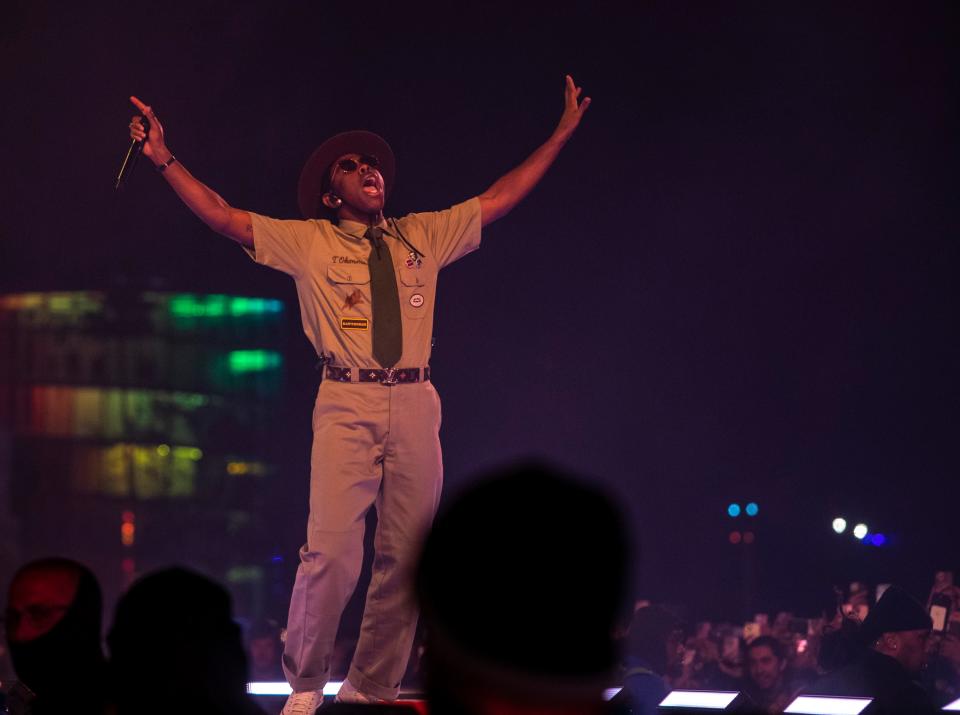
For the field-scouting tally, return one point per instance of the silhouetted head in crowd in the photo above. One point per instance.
(53, 619)
(655, 638)
(898, 627)
(522, 582)
(174, 647)
(840, 640)
(264, 646)
(766, 663)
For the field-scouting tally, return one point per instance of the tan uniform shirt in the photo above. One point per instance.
(329, 264)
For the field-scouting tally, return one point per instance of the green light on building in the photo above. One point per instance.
(193, 454)
(245, 574)
(254, 360)
(188, 305)
(254, 306)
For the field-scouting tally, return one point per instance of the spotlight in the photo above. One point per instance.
(860, 531)
(733, 510)
(839, 525)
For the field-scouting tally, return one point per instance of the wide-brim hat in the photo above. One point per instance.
(896, 611)
(313, 178)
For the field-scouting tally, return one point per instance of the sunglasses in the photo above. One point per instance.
(348, 166)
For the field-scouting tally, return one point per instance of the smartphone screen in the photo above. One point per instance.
(940, 604)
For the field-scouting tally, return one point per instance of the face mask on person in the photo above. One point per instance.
(69, 652)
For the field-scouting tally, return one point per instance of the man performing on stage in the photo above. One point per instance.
(366, 286)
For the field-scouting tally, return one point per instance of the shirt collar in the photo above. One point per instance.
(355, 229)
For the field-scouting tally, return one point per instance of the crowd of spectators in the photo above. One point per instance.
(772, 660)
(508, 627)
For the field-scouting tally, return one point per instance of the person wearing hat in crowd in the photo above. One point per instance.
(895, 634)
(366, 285)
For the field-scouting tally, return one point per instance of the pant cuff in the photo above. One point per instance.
(368, 687)
(303, 685)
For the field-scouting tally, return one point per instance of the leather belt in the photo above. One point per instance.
(387, 376)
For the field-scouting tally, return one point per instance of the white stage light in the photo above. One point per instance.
(860, 531)
(953, 707)
(823, 705)
(839, 525)
(703, 699)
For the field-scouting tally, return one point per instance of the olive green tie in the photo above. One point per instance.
(387, 325)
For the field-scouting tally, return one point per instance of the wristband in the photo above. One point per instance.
(163, 167)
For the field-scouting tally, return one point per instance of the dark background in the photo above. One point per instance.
(737, 283)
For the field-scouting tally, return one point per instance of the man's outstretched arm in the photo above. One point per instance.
(201, 199)
(507, 191)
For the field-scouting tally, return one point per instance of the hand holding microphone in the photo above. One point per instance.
(146, 134)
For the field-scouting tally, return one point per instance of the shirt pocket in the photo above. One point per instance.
(413, 292)
(348, 275)
(351, 286)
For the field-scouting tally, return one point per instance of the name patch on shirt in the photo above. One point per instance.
(354, 323)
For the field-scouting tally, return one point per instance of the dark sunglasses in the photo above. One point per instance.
(348, 166)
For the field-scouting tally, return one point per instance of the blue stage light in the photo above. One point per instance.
(733, 510)
(752, 509)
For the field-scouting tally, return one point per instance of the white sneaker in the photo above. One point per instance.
(349, 694)
(305, 703)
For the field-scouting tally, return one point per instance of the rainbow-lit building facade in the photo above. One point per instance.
(136, 430)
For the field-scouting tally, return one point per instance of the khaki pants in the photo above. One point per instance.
(372, 445)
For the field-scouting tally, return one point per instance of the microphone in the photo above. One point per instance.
(130, 160)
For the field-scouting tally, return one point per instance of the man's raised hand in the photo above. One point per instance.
(573, 110)
(154, 146)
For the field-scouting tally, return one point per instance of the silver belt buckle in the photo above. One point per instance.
(389, 377)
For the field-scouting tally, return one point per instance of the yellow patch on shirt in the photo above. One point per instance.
(354, 323)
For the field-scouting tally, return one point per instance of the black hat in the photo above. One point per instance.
(313, 178)
(895, 611)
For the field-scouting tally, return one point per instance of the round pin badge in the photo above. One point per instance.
(416, 300)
